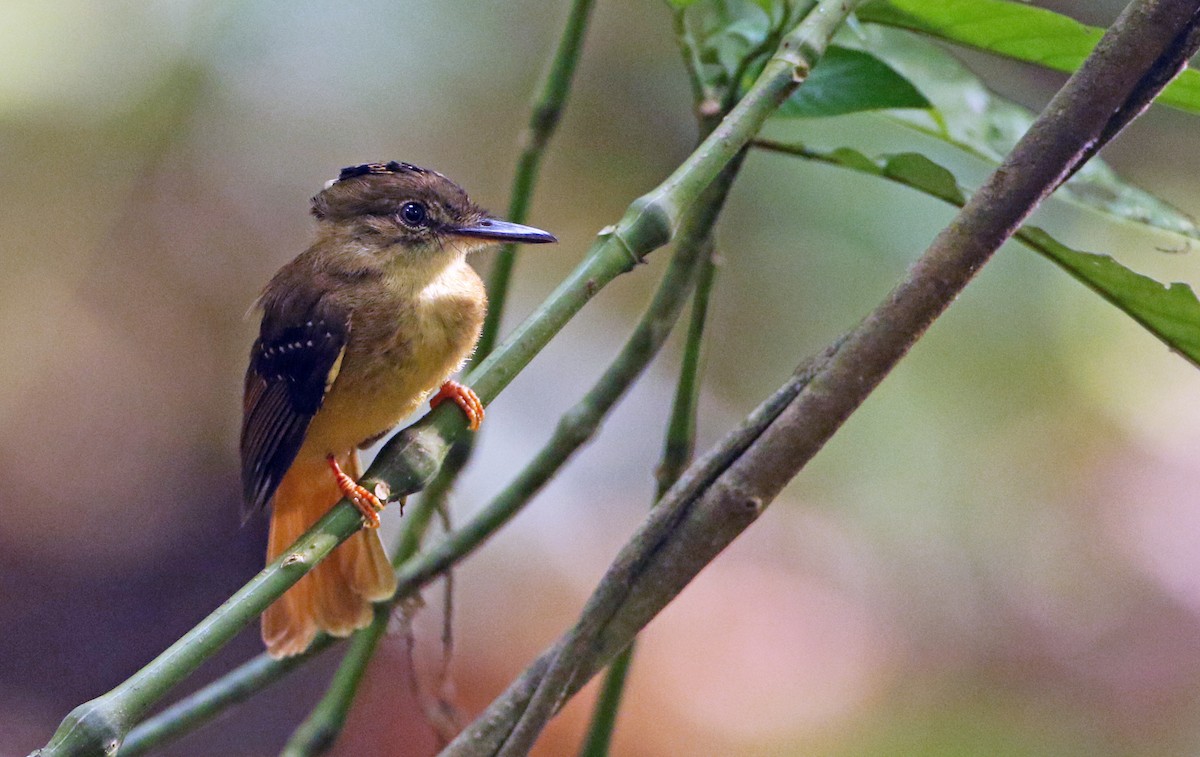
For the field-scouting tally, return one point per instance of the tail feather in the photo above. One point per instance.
(336, 595)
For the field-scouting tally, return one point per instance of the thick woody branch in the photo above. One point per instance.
(709, 507)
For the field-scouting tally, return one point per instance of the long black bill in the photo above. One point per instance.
(504, 231)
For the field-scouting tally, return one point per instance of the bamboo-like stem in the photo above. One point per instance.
(319, 730)
(239, 684)
(604, 716)
(544, 116)
(411, 458)
(728, 489)
(97, 727)
(205, 704)
(317, 733)
(576, 427)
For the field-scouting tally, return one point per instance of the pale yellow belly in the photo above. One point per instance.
(378, 388)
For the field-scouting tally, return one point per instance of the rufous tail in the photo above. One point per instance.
(336, 595)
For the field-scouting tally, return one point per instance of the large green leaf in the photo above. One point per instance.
(850, 81)
(969, 116)
(1171, 313)
(1014, 30)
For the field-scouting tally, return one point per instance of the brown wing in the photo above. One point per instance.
(292, 365)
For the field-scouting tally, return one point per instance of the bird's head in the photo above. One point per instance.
(413, 211)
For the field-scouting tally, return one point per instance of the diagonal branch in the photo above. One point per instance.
(578, 425)
(544, 116)
(411, 458)
(678, 447)
(727, 490)
(316, 734)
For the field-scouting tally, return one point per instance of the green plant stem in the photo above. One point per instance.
(317, 733)
(727, 490)
(604, 716)
(411, 458)
(210, 701)
(544, 116)
(97, 727)
(577, 427)
(677, 454)
(319, 730)
(703, 95)
(250, 677)
(680, 442)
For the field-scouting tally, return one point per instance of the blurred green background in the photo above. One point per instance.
(997, 555)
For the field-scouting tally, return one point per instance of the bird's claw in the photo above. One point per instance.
(466, 399)
(362, 498)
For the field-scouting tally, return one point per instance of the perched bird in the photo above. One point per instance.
(357, 331)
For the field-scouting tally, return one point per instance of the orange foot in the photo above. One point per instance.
(366, 502)
(464, 398)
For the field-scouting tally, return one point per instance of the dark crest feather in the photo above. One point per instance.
(392, 166)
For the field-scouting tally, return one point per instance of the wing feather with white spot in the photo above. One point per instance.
(292, 365)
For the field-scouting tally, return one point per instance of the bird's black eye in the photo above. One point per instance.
(412, 213)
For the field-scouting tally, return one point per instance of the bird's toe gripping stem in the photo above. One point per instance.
(367, 503)
(465, 398)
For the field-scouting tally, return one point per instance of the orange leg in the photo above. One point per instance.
(366, 502)
(464, 398)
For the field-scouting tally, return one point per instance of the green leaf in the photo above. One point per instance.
(739, 40)
(1014, 30)
(771, 7)
(1171, 313)
(919, 172)
(724, 34)
(850, 81)
(968, 115)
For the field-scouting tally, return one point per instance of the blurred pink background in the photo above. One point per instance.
(996, 556)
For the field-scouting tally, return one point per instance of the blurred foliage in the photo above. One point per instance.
(1016, 30)
(995, 556)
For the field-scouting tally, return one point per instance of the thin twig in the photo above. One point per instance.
(604, 716)
(318, 731)
(316, 734)
(680, 442)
